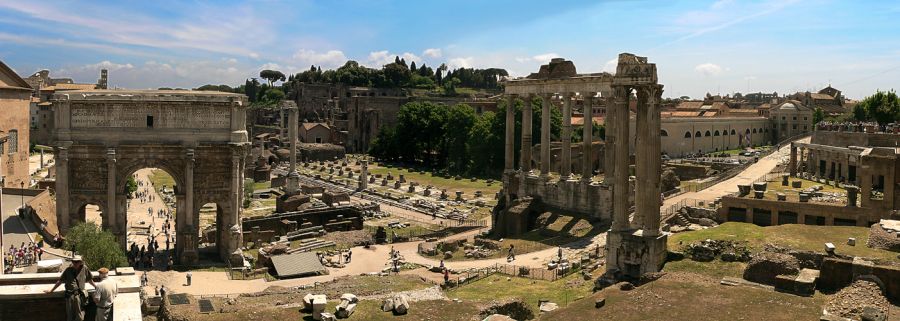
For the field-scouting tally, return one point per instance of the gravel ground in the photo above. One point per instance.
(850, 301)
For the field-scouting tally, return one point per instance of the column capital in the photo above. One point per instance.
(111, 155)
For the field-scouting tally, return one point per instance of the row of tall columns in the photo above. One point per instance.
(647, 159)
(587, 161)
(566, 170)
(621, 163)
(545, 135)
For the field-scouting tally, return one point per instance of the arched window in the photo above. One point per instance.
(766, 130)
(697, 134)
(716, 133)
(707, 134)
(747, 131)
(754, 130)
(663, 133)
(760, 131)
(687, 134)
(732, 132)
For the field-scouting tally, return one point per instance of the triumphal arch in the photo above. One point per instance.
(101, 137)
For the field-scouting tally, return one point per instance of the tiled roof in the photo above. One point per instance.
(686, 114)
(821, 96)
(689, 105)
(75, 86)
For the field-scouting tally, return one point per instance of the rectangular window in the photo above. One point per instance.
(149, 121)
(13, 141)
(794, 126)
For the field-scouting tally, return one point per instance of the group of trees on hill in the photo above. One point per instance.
(403, 75)
(882, 107)
(456, 140)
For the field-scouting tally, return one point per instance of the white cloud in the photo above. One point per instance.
(545, 58)
(461, 62)
(155, 74)
(432, 53)
(611, 65)
(328, 59)
(709, 69)
(377, 59)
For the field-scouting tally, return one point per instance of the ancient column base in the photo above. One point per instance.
(292, 183)
(188, 257)
(633, 254)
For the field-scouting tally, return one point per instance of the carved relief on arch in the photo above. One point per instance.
(88, 174)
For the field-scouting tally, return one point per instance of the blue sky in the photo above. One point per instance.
(699, 46)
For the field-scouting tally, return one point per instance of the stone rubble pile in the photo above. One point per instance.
(862, 300)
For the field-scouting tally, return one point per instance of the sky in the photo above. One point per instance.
(700, 47)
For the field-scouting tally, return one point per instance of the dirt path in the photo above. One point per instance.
(759, 169)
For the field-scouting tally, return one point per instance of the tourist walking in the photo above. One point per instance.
(74, 277)
(188, 276)
(105, 295)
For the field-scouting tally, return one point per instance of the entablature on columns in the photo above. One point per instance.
(581, 84)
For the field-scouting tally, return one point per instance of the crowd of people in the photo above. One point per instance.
(25, 255)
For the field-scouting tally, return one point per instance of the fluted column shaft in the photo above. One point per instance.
(641, 160)
(545, 135)
(565, 167)
(620, 187)
(609, 151)
(526, 134)
(587, 165)
(652, 172)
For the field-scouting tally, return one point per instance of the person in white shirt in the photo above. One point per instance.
(104, 296)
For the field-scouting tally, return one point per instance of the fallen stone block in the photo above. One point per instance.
(600, 303)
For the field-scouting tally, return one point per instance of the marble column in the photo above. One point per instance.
(587, 162)
(609, 150)
(653, 201)
(189, 188)
(292, 181)
(545, 134)
(641, 159)
(620, 187)
(565, 166)
(509, 156)
(62, 189)
(111, 211)
(526, 133)
(792, 165)
(364, 175)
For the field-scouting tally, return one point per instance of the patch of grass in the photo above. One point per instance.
(262, 185)
(496, 287)
(717, 268)
(160, 178)
(795, 236)
(450, 184)
(687, 298)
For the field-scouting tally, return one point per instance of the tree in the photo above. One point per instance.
(456, 128)
(412, 67)
(818, 115)
(251, 88)
(130, 187)
(273, 96)
(272, 76)
(883, 107)
(98, 247)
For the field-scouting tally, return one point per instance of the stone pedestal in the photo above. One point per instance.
(633, 253)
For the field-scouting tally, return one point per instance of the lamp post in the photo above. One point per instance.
(22, 209)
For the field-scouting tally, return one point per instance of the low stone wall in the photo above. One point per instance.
(802, 213)
(837, 273)
(589, 200)
(320, 152)
(687, 171)
(325, 217)
(43, 207)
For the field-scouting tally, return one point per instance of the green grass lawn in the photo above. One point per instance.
(801, 237)
(160, 178)
(496, 287)
(450, 184)
(717, 268)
